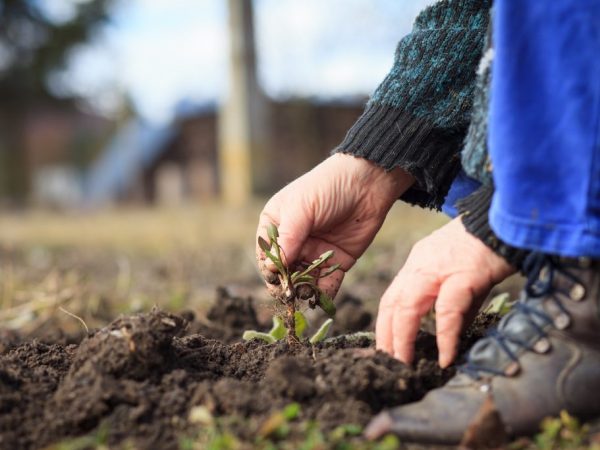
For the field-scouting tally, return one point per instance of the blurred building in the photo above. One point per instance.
(179, 162)
(59, 142)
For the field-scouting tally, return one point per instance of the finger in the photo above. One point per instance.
(453, 304)
(268, 275)
(400, 313)
(415, 298)
(275, 290)
(266, 218)
(296, 224)
(314, 247)
(383, 325)
(331, 283)
(473, 310)
(293, 228)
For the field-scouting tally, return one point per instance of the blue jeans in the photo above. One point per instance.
(545, 125)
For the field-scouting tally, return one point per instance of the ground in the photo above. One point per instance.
(115, 332)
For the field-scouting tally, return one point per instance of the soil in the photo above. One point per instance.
(139, 377)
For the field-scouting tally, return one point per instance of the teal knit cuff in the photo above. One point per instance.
(392, 138)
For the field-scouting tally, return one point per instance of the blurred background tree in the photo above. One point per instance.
(33, 46)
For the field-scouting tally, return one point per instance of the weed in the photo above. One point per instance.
(563, 431)
(500, 304)
(299, 284)
(278, 331)
(97, 440)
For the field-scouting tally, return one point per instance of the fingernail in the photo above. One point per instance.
(444, 362)
(380, 425)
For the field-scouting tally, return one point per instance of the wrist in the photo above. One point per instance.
(474, 212)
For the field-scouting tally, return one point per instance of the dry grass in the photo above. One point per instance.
(99, 264)
(158, 230)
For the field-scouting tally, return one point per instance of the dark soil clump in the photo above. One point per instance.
(228, 318)
(139, 377)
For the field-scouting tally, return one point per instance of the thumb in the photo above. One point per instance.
(294, 228)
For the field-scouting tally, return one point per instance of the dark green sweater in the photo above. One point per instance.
(431, 106)
(418, 117)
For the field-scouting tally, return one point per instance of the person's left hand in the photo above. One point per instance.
(449, 268)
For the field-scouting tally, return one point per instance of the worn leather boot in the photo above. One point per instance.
(543, 357)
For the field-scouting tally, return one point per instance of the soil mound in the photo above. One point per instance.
(139, 377)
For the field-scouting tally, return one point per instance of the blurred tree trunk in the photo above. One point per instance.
(33, 47)
(245, 165)
(14, 176)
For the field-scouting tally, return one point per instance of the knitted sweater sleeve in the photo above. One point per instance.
(418, 117)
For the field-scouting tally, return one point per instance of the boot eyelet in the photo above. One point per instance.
(577, 292)
(542, 346)
(512, 369)
(562, 321)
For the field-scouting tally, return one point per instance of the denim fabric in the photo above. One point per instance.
(545, 124)
(462, 187)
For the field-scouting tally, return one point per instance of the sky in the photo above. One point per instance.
(162, 52)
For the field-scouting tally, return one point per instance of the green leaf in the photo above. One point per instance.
(278, 330)
(325, 256)
(276, 250)
(272, 232)
(343, 431)
(276, 261)
(389, 442)
(291, 411)
(321, 332)
(252, 334)
(304, 279)
(301, 323)
(264, 245)
(315, 264)
(500, 304)
(326, 304)
(330, 270)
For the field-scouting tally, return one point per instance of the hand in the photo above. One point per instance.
(449, 268)
(339, 205)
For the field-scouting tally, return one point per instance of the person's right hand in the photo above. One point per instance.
(339, 205)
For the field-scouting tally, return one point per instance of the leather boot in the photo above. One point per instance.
(543, 357)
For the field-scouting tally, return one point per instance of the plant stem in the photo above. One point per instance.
(290, 323)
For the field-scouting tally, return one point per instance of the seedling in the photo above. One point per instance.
(500, 304)
(563, 431)
(278, 331)
(278, 424)
(299, 284)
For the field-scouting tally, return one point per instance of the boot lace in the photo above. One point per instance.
(537, 286)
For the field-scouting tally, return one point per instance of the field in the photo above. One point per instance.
(122, 329)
